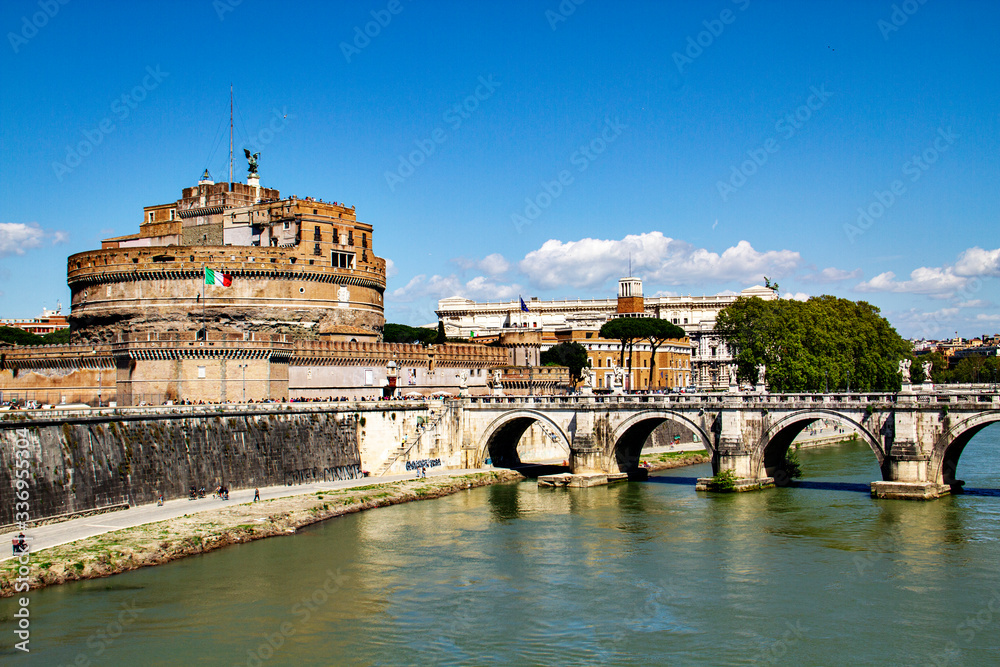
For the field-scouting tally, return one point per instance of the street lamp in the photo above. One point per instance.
(848, 382)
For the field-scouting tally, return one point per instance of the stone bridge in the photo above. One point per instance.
(917, 437)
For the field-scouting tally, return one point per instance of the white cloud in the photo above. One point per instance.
(480, 288)
(940, 281)
(390, 269)
(925, 280)
(983, 317)
(978, 262)
(493, 265)
(975, 303)
(17, 237)
(833, 275)
(660, 259)
(795, 296)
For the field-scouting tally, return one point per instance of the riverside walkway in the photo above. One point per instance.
(63, 532)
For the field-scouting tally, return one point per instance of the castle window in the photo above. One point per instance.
(364, 240)
(150, 216)
(316, 250)
(350, 237)
(342, 260)
(316, 234)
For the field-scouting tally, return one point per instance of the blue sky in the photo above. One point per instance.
(498, 149)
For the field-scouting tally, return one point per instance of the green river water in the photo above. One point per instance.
(635, 573)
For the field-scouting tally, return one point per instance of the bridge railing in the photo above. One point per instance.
(719, 399)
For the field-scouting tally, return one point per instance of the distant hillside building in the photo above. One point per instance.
(48, 322)
(695, 314)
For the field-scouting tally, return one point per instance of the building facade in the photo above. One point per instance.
(695, 314)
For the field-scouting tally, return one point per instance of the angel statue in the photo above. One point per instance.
(252, 160)
(928, 367)
(904, 369)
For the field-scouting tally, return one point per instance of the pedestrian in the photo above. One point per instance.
(256, 495)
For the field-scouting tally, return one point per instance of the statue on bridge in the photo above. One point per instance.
(928, 366)
(497, 382)
(619, 379)
(904, 370)
(761, 374)
(589, 380)
(732, 374)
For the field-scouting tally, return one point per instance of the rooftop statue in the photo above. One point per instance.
(252, 160)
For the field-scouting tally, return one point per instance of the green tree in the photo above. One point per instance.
(401, 333)
(441, 337)
(825, 342)
(572, 355)
(625, 330)
(19, 336)
(58, 337)
(657, 332)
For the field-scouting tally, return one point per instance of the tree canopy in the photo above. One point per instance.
(401, 333)
(22, 337)
(825, 342)
(572, 355)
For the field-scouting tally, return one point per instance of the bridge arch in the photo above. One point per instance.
(951, 444)
(501, 436)
(769, 453)
(629, 436)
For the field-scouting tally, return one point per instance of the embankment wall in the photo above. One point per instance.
(91, 461)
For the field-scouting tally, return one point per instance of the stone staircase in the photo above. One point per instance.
(404, 449)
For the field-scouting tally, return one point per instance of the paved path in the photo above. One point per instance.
(54, 534)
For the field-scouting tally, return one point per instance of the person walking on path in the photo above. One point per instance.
(256, 495)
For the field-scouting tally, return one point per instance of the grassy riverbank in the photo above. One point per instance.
(200, 532)
(667, 460)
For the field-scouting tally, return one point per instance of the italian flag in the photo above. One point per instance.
(213, 277)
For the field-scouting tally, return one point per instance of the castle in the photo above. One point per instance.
(232, 293)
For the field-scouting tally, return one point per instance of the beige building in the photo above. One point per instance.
(695, 314)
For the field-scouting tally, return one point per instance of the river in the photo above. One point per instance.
(635, 573)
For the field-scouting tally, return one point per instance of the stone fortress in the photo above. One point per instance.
(301, 267)
(301, 317)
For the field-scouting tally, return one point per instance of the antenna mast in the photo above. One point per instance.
(230, 133)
